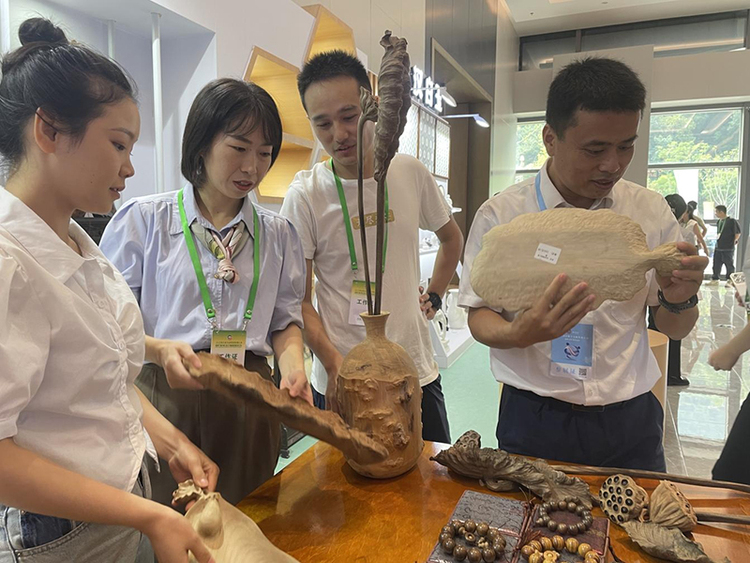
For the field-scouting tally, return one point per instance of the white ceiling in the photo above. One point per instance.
(531, 17)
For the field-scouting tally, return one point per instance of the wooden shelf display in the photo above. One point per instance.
(279, 79)
(329, 33)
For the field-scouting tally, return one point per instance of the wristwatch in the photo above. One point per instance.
(436, 300)
(677, 308)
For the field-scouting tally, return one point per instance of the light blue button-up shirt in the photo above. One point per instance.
(144, 240)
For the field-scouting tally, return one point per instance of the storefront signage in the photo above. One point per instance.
(425, 90)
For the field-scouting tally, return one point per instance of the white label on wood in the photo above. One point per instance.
(547, 253)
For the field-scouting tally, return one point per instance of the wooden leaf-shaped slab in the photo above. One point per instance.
(498, 470)
(519, 260)
(665, 543)
(235, 382)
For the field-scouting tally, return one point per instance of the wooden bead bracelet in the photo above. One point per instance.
(571, 505)
(546, 550)
(483, 543)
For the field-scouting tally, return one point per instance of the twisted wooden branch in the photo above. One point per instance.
(369, 106)
(394, 92)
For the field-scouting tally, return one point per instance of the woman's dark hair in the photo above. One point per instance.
(677, 204)
(69, 82)
(230, 107)
(692, 206)
(328, 65)
(593, 84)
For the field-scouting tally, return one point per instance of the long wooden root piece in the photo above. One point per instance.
(238, 384)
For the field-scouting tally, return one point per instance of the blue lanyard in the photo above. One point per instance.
(538, 186)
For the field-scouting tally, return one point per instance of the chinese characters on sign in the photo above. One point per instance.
(424, 89)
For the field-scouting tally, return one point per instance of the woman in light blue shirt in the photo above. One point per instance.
(212, 271)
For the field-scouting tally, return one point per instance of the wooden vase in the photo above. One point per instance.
(378, 392)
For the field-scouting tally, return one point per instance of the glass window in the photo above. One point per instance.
(697, 155)
(530, 151)
(674, 36)
(537, 51)
(678, 36)
(695, 137)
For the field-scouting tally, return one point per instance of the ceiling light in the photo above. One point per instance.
(478, 119)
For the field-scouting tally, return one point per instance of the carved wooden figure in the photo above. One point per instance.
(229, 535)
(519, 260)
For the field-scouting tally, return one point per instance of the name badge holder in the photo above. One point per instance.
(229, 344)
(572, 354)
(358, 295)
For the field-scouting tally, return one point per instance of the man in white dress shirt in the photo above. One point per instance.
(606, 414)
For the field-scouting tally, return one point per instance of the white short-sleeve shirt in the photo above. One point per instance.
(71, 346)
(312, 204)
(624, 366)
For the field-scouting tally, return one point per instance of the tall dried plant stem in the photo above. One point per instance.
(379, 248)
(361, 205)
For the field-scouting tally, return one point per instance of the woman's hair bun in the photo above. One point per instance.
(41, 30)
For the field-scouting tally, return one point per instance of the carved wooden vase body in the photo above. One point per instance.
(378, 393)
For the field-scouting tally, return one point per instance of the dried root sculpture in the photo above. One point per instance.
(394, 91)
(233, 381)
(500, 471)
(606, 250)
(229, 535)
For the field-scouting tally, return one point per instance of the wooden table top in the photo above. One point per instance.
(319, 510)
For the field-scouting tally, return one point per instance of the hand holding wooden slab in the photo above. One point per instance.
(233, 381)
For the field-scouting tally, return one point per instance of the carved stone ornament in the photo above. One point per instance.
(519, 260)
(500, 471)
(622, 499)
(229, 535)
(235, 382)
(665, 543)
(670, 508)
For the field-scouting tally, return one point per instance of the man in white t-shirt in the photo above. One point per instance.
(602, 412)
(317, 203)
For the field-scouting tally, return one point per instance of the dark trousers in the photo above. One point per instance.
(626, 434)
(734, 462)
(243, 442)
(674, 354)
(723, 257)
(434, 416)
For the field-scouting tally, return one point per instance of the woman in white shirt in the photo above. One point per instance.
(692, 231)
(72, 439)
(207, 265)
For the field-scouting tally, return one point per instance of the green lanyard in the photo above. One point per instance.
(721, 225)
(348, 223)
(210, 311)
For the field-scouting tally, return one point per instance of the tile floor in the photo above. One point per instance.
(699, 417)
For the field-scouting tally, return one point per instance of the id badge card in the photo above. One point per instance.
(358, 302)
(573, 353)
(229, 344)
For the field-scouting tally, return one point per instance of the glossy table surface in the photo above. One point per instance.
(319, 510)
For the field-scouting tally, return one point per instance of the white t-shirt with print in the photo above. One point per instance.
(312, 205)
